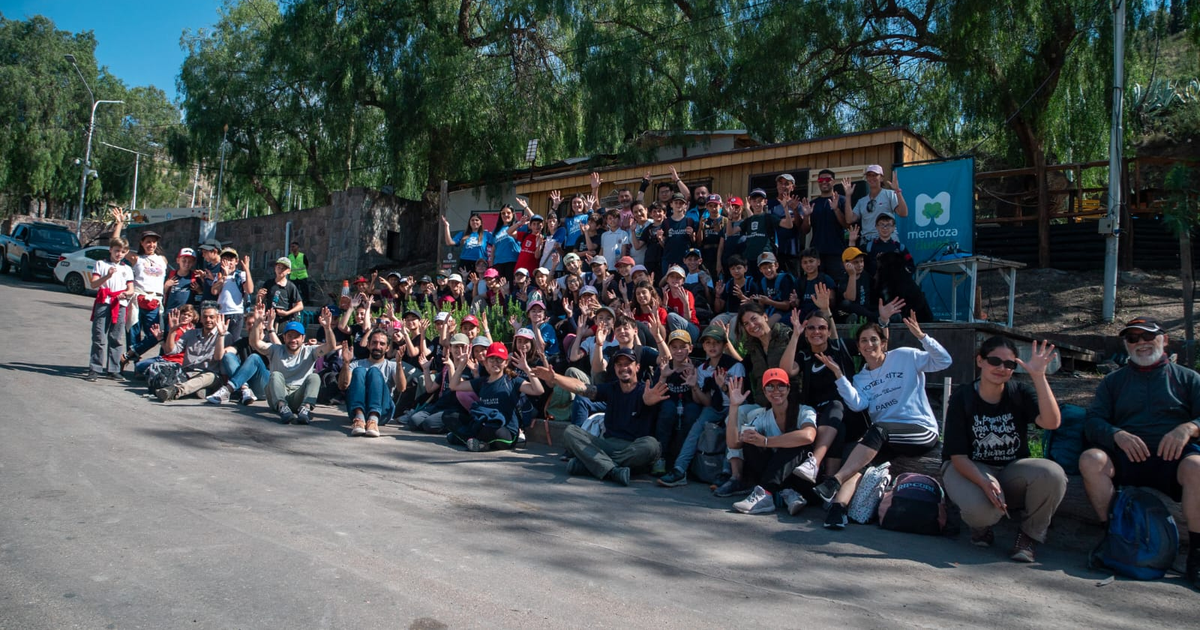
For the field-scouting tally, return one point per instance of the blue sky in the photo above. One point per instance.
(137, 39)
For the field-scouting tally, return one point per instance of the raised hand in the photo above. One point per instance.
(805, 207)
(260, 310)
(674, 173)
(664, 365)
(173, 318)
(555, 198)
(325, 318)
(156, 330)
(820, 297)
(601, 336)
(595, 181)
(523, 203)
(830, 364)
(797, 323)
(568, 310)
(544, 372)
(913, 326)
(737, 394)
(269, 318)
(719, 375)
(847, 185)
(590, 201)
(445, 222)
(222, 325)
(689, 375)
(895, 183)
(886, 311)
(245, 263)
(855, 231)
(656, 393)
(1039, 358)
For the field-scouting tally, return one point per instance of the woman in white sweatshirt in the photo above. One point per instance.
(891, 388)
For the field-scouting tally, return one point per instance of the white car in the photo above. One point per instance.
(74, 269)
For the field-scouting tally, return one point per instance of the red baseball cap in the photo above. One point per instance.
(626, 260)
(361, 280)
(497, 349)
(776, 375)
(470, 319)
(736, 201)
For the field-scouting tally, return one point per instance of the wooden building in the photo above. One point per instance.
(738, 171)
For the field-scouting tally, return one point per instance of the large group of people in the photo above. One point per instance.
(651, 329)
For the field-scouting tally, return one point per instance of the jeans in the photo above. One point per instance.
(279, 391)
(252, 372)
(106, 338)
(672, 426)
(583, 408)
(369, 392)
(688, 451)
(139, 333)
(675, 321)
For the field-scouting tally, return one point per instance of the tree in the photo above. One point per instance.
(1182, 215)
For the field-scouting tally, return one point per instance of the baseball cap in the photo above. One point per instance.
(626, 260)
(886, 214)
(680, 335)
(569, 257)
(776, 374)
(714, 332)
(441, 317)
(850, 253)
(402, 279)
(599, 260)
(442, 274)
(362, 280)
(623, 353)
(149, 234)
(542, 270)
(426, 280)
(537, 303)
(678, 197)
(1148, 324)
(491, 273)
(676, 269)
(736, 201)
(587, 288)
(414, 312)
(713, 199)
(459, 339)
(447, 299)
(470, 319)
(524, 333)
(283, 260)
(766, 257)
(606, 309)
(758, 192)
(521, 272)
(497, 349)
(786, 176)
(481, 342)
(454, 277)
(229, 251)
(637, 268)
(293, 327)
(536, 217)
(874, 168)
(187, 251)
(692, 252)
(211, 245)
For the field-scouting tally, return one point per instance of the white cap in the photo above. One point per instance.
(455, 278)
(599, 260)
(441, 317)
(521, 272)
(874, 168)
(542, 270)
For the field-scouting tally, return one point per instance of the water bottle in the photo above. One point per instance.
(345, 287)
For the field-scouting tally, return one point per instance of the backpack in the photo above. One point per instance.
(1142, 537)
(915, 504)
(163, 374)
(710, 453)
(867, 497)
(1065, 444)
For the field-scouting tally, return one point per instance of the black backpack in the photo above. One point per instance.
(710, 453)
(162, 374)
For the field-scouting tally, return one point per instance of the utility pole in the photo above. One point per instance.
(195, 184)
(1110, 227)
(136, 162)
(220, 178)
(87, 153)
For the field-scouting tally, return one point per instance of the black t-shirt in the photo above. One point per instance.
(819, 384)
(758, 234)
(828, 235)
(677, 388)
(625, 417)
(647, 359)
(731, 300)
(810, 289)
(714, 231)
(677, 241)
(993, 434)
(281, 297)
(654, 249)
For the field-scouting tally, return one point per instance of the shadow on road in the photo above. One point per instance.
(67, 371)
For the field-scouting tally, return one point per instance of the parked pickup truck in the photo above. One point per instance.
(34, 248)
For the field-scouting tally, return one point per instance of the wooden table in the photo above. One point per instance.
(968, 268)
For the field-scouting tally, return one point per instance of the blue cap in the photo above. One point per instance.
(293, 327)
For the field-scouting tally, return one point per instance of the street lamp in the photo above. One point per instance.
(137, 157)
(87, 154)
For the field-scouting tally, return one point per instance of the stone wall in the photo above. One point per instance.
(175, 234)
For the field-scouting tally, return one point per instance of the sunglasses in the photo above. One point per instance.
(871, 205)
(824, 179)
(1145, 335)
(997, 362)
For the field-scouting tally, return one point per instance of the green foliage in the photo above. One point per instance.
(1182, 210)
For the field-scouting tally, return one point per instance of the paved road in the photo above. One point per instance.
(121, 512)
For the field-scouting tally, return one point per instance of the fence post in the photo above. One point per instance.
(1043, 200)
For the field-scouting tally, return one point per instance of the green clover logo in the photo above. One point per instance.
(933, 210)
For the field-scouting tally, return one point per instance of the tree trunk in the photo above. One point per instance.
(266, 194)
(1185, 277)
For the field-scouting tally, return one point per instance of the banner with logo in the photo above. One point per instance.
(940, 222)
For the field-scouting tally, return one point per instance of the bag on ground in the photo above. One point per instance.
(162, 374)
(865, 503)
(1065, 444)
(1142, 537)
(710, 453)
(915, 504)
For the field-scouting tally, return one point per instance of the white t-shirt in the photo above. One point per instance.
(612, 246)
(149, 274)
(294, 367)
(231, 299)
(386, 367)
(639, 255)
(885, 201)
(120, 278)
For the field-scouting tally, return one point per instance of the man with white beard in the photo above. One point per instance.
(1145, 419)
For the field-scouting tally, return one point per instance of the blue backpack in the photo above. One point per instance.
(1142, 538)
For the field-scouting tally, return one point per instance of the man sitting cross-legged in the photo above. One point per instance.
(293, 386)
(200, 347)
(369, 383)
(628, 422)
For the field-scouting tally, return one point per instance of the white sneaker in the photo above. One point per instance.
(792, 501)
(807, 470)
(248, 396)
(221, 396)
(759, 502)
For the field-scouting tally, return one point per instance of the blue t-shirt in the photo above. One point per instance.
(507, 248)
(474, 245)
(574, 226)
(676, 240)
(501, 395)
(624, 417)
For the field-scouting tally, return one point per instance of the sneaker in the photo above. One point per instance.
(672, 479)
(982, 536)
(1192, 572)
(659, 469)
(91, 376)
(729, 488)
(792, 501)
(475, 445)
(576, 467)
(112, 376)
(807, 470)
(358, 428)
(248, 396)
(828, 489)
(304, 416)
(521, 441)
(220, 396)
(285, 413)
(620, 474)
(1022, 550)
(372, 428)
(836, 518)
(759, 502)
(163, 394)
